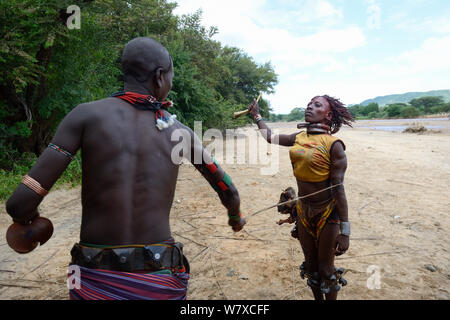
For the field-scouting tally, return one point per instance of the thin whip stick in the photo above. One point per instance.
(295, 199)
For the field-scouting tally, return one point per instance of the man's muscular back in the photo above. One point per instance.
(128, 176)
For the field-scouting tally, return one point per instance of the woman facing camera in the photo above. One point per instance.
(319, 163)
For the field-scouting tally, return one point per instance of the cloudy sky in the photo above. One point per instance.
(350, 49)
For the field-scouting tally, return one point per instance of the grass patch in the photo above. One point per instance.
(10, 179)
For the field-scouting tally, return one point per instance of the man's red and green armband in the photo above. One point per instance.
(223, 184)
(236, 217)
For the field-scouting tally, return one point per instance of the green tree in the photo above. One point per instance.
(426, 103)
(272, 117)
(371, 107)
(29, 31)
(446, 107)
(355, 110)
(241, 79)
(373, 115)
(394, 110)
(409, 112)
(296, 114)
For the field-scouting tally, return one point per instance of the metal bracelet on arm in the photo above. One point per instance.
(34, 185)
(345, 228)
(257, 118)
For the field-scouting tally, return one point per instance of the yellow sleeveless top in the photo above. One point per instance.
(311, 157)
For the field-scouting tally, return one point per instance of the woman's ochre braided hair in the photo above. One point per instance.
(341, 115)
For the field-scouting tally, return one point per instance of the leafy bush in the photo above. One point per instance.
(409, 112)
(9, 179)
(373, 115)
(394, 110)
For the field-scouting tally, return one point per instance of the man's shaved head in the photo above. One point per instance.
(142, 56)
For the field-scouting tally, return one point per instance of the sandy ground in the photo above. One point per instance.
(397, 187)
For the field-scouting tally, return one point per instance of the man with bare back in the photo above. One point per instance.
(126, 250)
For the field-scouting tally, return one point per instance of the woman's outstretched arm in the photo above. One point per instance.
(287, 140)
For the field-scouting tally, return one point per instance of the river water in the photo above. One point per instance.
(393, 125)
(437, 124)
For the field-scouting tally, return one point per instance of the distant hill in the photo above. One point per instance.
(406, 97)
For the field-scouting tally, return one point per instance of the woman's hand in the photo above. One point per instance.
(342, 244)
(254, 108)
